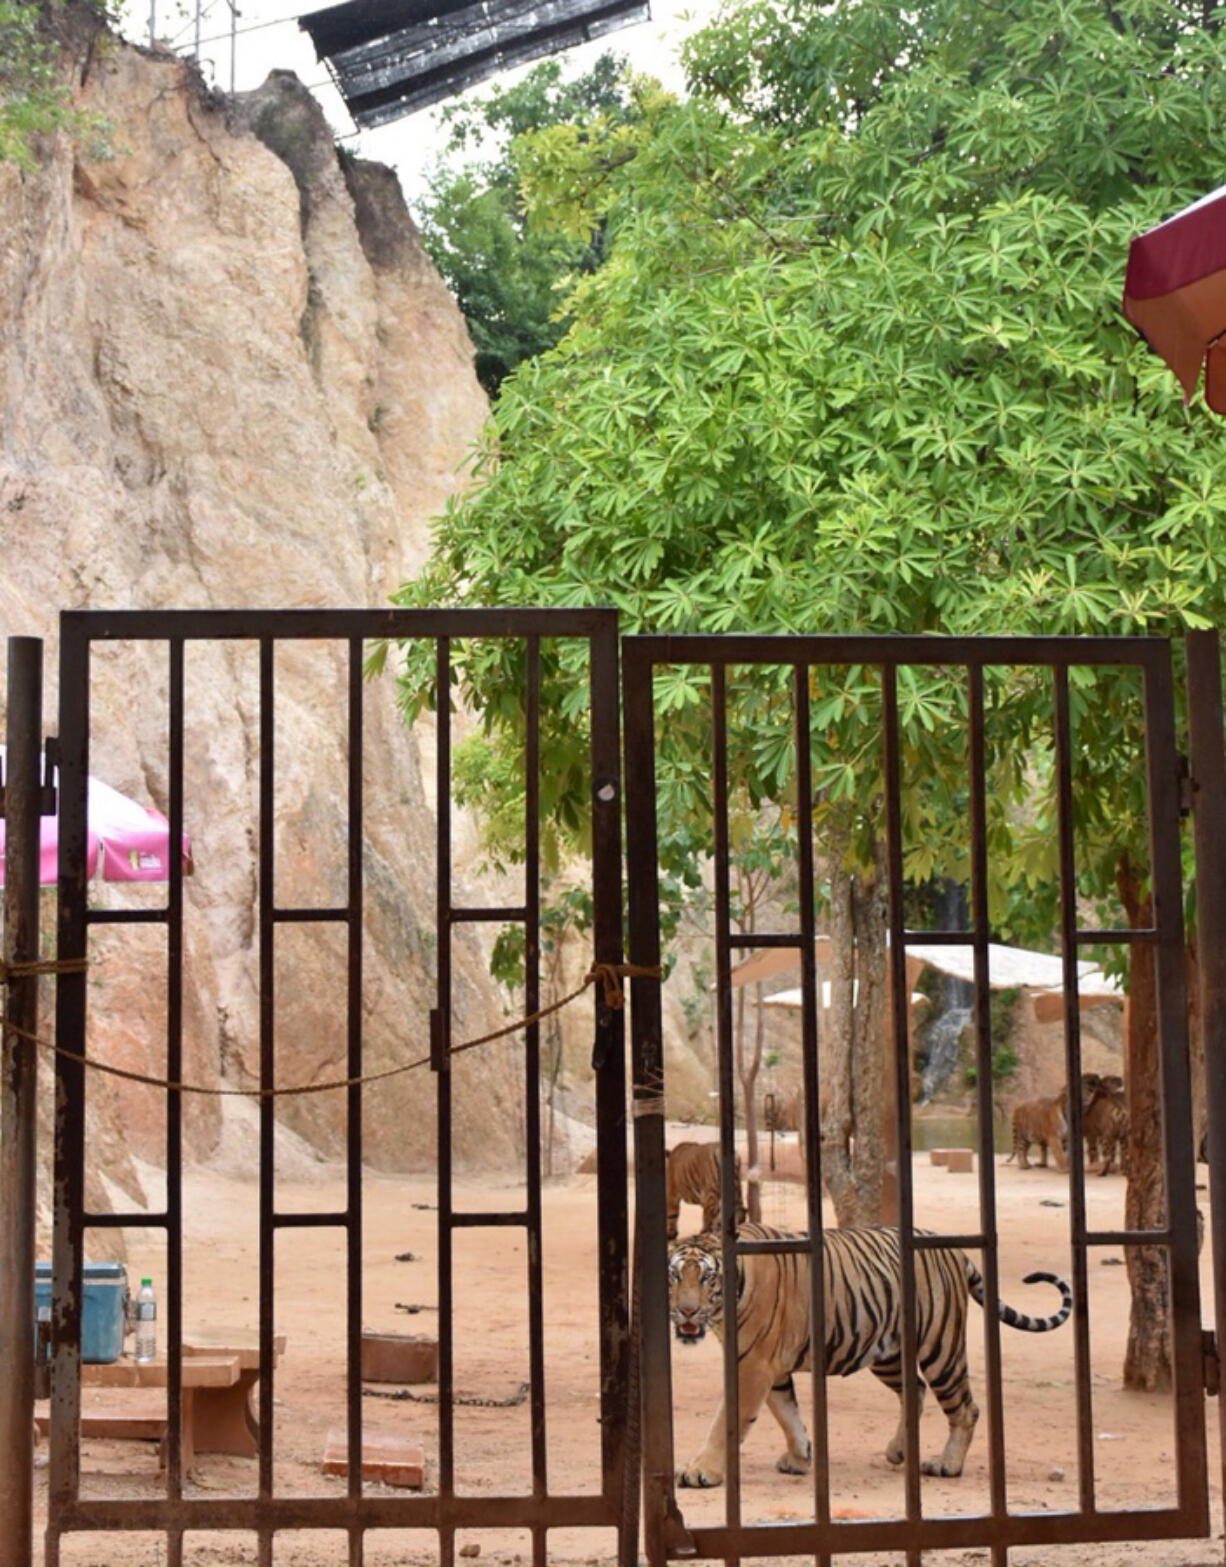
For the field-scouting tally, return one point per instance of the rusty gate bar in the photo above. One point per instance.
(173, 1299)
(981, 935)
(1207, 760)
(1072, 1077)
(1163, 772)
(266, 903)
(440, 1040)
(266, 1512)
(660, 1531)
(532, 1072)
(729, 1195)
(899, 994)
(810, 993)
(354, 1232)
(666, 1533)
(69, 1176)
(20, 811)
(618, 1416)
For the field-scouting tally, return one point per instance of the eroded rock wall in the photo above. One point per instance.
(229, 377)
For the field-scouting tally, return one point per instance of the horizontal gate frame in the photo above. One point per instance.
(354, 1513)
(666, 1533)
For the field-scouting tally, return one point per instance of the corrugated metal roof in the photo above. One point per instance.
(390, 57)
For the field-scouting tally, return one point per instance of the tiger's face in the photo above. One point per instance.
(695, 1291)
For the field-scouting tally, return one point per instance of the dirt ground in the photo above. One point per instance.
(1133, 1435)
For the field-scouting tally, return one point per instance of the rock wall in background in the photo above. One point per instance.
(229, 376)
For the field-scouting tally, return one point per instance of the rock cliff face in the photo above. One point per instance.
(229, 376)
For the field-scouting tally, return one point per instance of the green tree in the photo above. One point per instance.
(508, 277)
(855, 361)
(34, 96)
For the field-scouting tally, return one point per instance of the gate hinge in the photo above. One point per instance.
(1211, 1365)
(1187, 788)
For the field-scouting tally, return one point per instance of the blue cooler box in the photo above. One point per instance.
(103, 1311)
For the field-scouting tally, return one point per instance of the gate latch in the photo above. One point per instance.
(1211, 1365)
(46, 793)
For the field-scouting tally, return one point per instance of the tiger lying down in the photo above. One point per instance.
(862, 1279)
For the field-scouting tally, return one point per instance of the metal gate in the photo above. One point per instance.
(656, 662)
(547, 1502)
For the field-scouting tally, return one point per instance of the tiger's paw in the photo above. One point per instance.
(894, 1454)
(934, 1466)
(793, 1464)
(700, 1476)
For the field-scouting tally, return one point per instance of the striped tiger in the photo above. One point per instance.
(1105, 1126)
(693, 1175)
(862, 1276)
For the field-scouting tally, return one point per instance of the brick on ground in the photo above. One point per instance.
(387, 1457)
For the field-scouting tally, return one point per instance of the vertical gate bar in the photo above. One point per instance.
(1207, 756)
(442, 1053)
(1072, 1063)
(609, 1066)
(900, 1005)
(353, 1095)
(647, 1050)
(532, 1075)
(19, 1099)
(981, 936)
(727, 1095)
(266, 894)
(174, 1101)
(1163, 779)
(70, 1016)
(810, 1045)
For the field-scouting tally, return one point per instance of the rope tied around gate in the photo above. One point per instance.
(607, 975)
(37, 967)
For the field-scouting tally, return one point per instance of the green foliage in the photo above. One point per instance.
(507, 274)
(855, 362)
(35, 95)
(32, 98)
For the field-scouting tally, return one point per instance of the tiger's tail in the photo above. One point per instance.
(1019, 1319)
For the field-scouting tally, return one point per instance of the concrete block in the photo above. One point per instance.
(387, 1457)
(960, 1160)
(399, 1357)
(938, 1156)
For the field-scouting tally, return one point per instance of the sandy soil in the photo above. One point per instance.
(1133, 1435)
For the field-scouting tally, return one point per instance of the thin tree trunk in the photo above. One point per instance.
(869, 1062)
(853, 1149)
(837, 1115)
(1148, 1358)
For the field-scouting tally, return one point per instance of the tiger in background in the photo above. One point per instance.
(1045, 1122)
(1105, 1126)
(693, 1175)
(1041, 1123)
(862, 1283)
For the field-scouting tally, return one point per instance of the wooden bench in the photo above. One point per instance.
(219, 1373)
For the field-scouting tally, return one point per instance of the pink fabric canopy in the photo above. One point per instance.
(129, 842)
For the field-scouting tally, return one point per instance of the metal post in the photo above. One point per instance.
(1207, 759)
(18, 1085)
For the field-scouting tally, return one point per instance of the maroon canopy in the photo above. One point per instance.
(1175, 294)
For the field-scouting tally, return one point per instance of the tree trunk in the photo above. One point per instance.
(872, 1094)
(1148, 1359)
(749, 1083)
(853, 1148)
(837, 1118)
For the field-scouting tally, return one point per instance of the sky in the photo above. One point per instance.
(269, 38)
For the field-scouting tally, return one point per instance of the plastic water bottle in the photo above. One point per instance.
(146, 1341)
